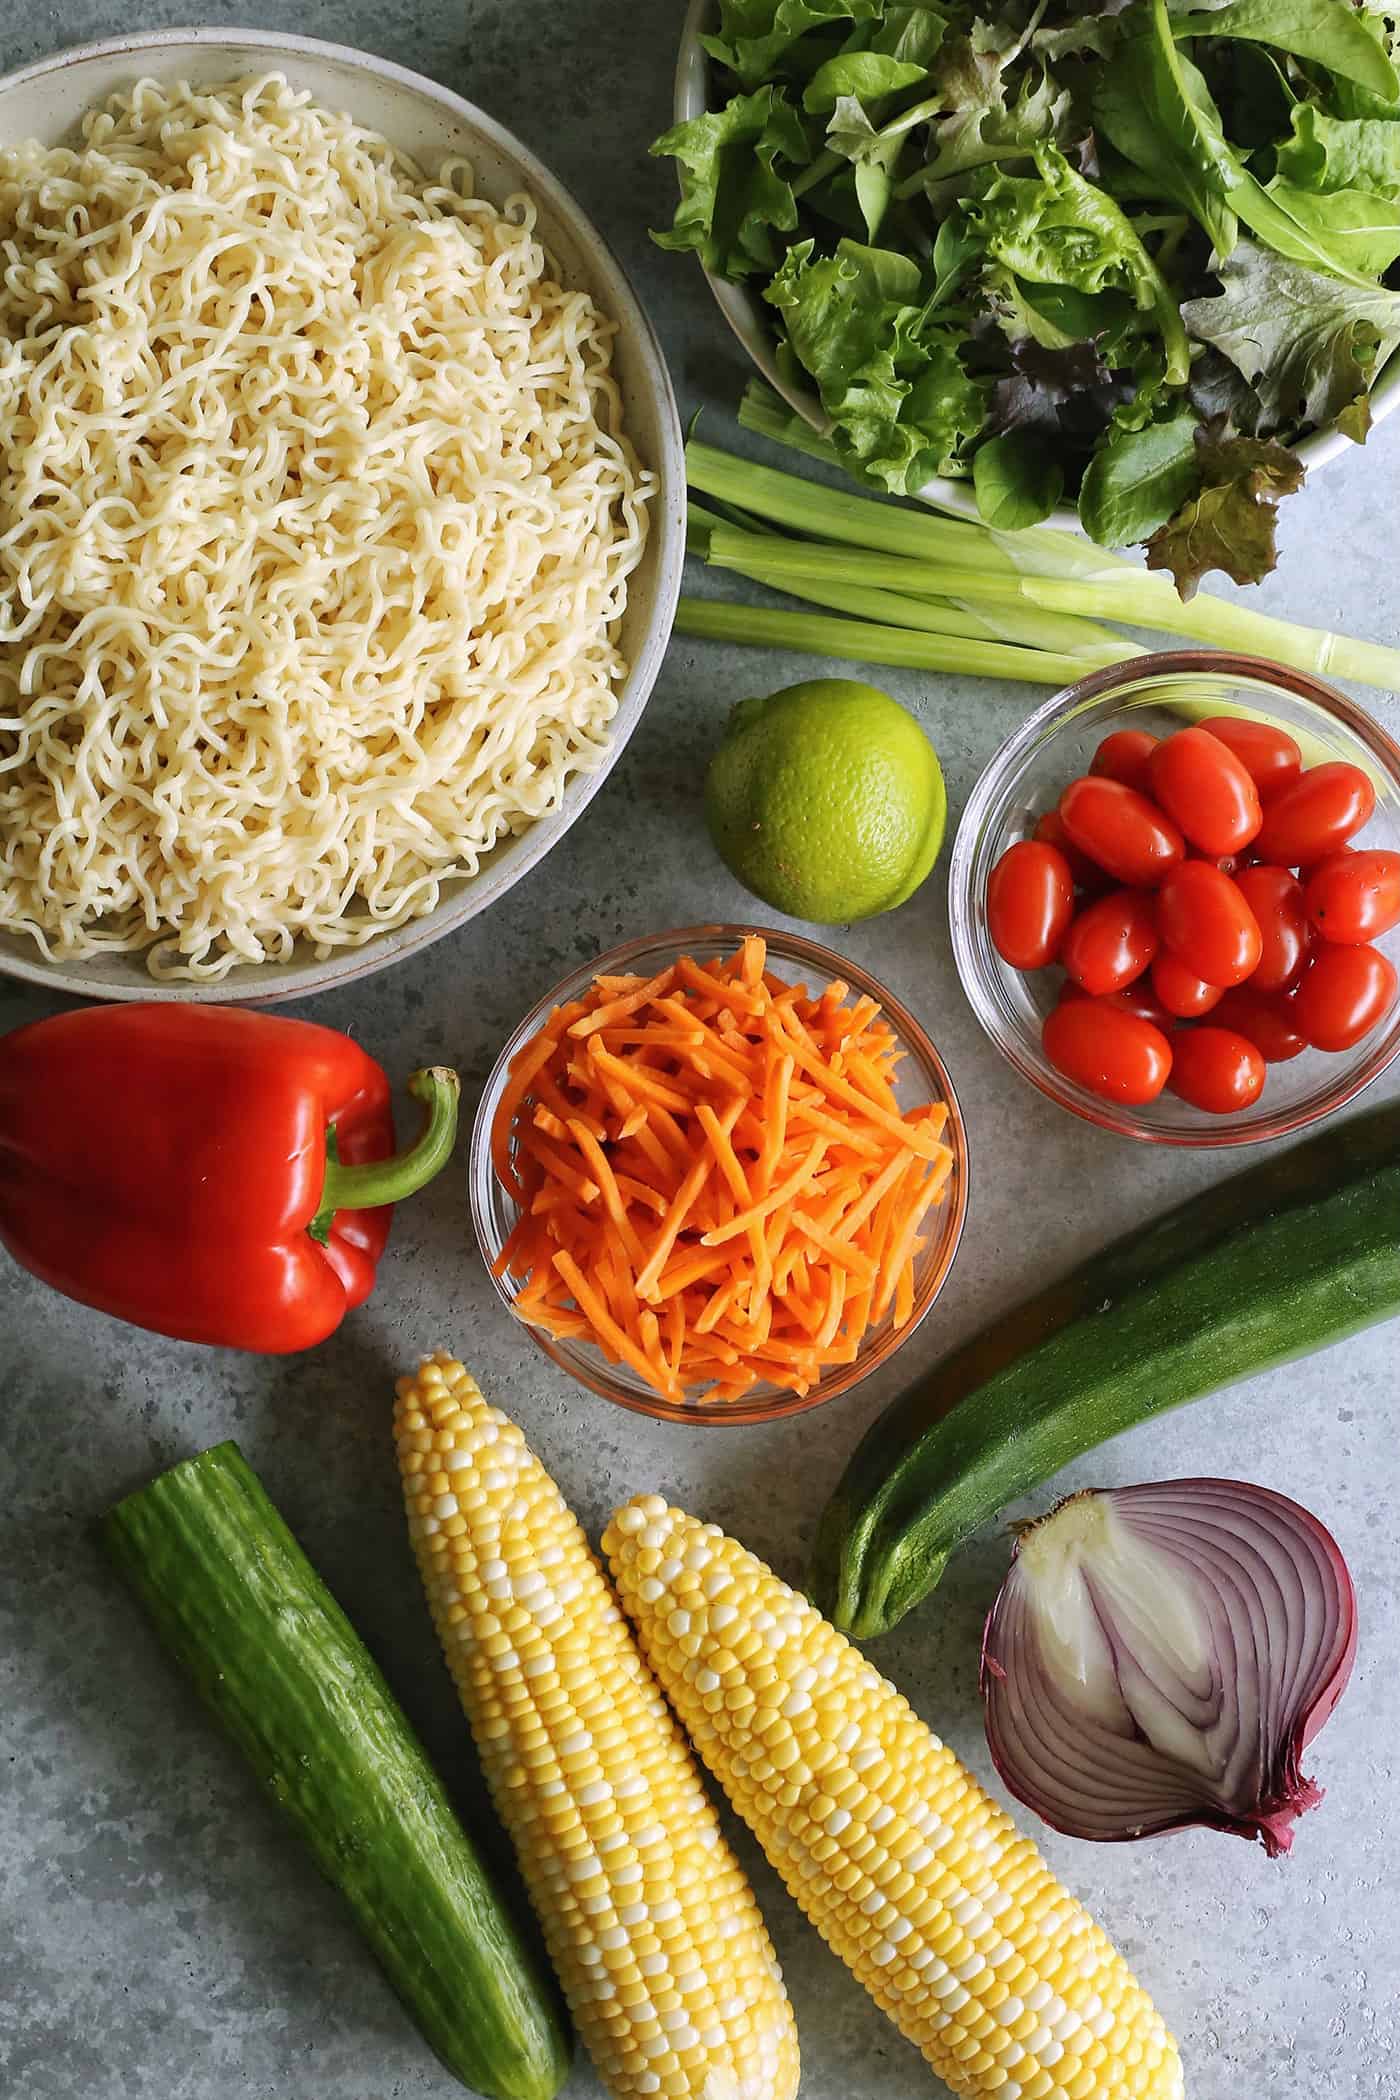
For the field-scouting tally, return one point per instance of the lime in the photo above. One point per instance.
(826, 800)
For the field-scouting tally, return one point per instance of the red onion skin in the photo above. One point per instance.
(1271, 1824)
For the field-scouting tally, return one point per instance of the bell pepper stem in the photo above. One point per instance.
(372, 1183)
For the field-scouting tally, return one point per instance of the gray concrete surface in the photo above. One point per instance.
(160, 1939)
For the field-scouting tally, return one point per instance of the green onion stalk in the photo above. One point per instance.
(861, 641)
(1035, 575)
(1095, 647)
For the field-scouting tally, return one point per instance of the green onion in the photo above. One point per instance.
(1023, 587)
(1150, 601)
(752, 555)
(860, 641)
(763, 412)
(865, 521)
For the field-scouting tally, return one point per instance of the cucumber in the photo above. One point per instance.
(276, 1660)
(1269, 1265)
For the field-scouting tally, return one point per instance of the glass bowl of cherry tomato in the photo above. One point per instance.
(1175, 899)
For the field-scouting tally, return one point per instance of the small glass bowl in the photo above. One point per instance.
(1025, 779)
(922, 1077)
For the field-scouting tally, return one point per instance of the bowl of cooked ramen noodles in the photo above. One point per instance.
(341, 515)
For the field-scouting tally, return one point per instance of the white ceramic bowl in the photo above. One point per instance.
(47, 100)
(752, 320)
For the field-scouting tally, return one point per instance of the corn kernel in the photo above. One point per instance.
(621, 1851)
(951, 1920)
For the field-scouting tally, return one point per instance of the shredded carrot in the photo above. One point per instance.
(776, 1100)
(609, 1011)
(715, 1181)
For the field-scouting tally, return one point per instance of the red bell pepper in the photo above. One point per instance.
(204, 1171)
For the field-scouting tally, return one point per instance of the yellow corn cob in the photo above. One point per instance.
(668, 1970)
(913, 1875)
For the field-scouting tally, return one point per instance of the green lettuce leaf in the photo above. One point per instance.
(1086, 36)
(1054, 316)
(1311, 230)
(975, 136)
(1329, 32)
(1055, 228)
(902, 405)
(755, 34)
(1230, 523)
(1137, 479)
(1339, 153)
(1017, 481)
(1359, 230)
(1307, 344)
(912, 33)
(1155, 109)
(736, 201)
(862, 76)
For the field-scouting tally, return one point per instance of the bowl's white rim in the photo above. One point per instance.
(747, 317)
(299, 979)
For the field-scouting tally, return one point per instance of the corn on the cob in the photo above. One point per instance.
(651, 1924)
(917, 1879)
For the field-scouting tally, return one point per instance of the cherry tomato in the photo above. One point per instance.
(1030, 902)
(1111, 1052)
(1111, 942)
(1136, 998)
(1124, 755)
(1051, 832)
(1203, 918)
(1269, 756)
(1206, 791)
(1180, 990)
(1276, 899)
(1121, 830)
(1354, 896)
(1314, 816)
(1343, 993)
(1264, 1020)
(1217, 1070)
(1228, 863)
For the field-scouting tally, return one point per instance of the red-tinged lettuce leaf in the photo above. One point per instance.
(1218, 389)
(736, 192)
(1308, 344)
(755, 35)
(1230, 523)
(1067, 394)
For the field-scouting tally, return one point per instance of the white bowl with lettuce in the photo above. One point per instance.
(1013, 258)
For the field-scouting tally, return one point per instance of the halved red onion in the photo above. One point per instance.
(1160, 1656)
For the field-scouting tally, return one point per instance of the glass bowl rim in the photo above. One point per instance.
(996, 781)
(939, 1256)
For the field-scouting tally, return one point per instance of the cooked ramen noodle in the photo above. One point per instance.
(316, 520)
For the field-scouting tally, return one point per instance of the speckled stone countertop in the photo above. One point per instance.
(160, 1936)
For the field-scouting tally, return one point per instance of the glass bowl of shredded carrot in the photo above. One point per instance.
(720, 1174)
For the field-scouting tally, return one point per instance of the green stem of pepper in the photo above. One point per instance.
(373, 1183)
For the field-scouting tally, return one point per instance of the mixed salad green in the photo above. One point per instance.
(1121, 254)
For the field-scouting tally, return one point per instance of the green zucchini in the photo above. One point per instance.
(1268, 1265)
(275, 1658)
